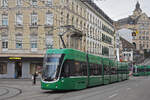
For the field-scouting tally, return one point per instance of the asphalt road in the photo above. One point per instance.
(133, 89)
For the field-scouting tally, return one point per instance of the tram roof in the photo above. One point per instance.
(75, 55)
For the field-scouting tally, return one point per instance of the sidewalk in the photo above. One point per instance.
(19, 82)
(25, 85)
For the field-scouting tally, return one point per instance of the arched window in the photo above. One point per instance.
(134, 44)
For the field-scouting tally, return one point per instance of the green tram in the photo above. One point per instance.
(143, 70)
(69, 69)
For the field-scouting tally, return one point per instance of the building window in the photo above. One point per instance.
(77, 8)
(105, 51)
(34, 2)
(67, 1)
(49, 2)
(4, 3)
(4, 42)
(77, 23)
(3, 68)
(73, 5)
(49, 41)
(62, 1)
(33, 42)
(19, 19)
(4, 20)
(81, 25)
(19, 2)
(34, 19)
(19, 41)
(147, 38)
(67, 19)
(49, 19)
(143, 37)
(72, 20)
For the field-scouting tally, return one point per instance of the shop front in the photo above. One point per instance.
(20, 67)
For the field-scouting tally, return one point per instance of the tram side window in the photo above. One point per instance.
(91, 69)
(148, 69)
(65, 70)
(113, 70)
(119, 71)
(77, 71)
(84, 69)
(106, 70)
(140, 70)
(74, 68)
(95, 69)
(100, 69)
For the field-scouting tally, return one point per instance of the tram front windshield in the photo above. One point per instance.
(51, 67)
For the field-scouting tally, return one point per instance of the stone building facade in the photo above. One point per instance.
(29, 27)
(139, 22)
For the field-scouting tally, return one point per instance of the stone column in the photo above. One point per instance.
(10, 70)
(26, 70)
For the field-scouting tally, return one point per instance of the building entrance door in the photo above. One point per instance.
(18, 69)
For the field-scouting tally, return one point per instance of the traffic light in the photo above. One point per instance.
(133, 33)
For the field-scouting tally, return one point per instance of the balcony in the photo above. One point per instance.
(4, 27)
(48, 26)
(18, 26)
(34, 25)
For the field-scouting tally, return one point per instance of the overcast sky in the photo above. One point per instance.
(117, 9)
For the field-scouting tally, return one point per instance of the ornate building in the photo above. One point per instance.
(139, 22)
(29, 27)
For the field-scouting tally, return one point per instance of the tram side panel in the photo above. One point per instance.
(106, 71)
(95, 71)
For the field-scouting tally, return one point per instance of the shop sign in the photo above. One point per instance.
(15, 58)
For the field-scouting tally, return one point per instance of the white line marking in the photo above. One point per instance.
(128, 88)
(116, 91)
(113, 95)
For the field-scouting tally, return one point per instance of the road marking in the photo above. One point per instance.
(136, 85)
(128, 88)
(116, 91)
(113, 95)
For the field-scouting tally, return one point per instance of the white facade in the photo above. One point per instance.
(126, 34)
(93, 34)
(126, 54)
(94, 42)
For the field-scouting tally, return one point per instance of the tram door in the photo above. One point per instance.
(18, 69)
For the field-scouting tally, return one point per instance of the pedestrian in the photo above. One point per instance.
(34, 78)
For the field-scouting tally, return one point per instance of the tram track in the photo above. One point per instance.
(111, 90)
(90, 92)
(10, 92)
(6, 92)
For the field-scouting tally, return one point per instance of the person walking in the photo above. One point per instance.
(34, 78)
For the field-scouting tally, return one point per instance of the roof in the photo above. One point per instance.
(92, 4)
(128, 20)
